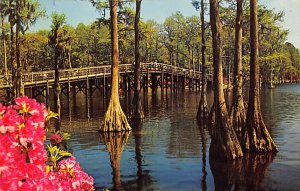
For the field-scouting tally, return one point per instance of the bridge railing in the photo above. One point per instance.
(44, 76)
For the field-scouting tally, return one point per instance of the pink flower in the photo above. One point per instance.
(23, 156)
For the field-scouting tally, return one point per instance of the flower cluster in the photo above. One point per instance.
(23, 156)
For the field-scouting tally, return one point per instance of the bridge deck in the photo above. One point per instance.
(76, 74)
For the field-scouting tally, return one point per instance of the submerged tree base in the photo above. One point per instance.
(137, 109)
(224, 143)
(256, 138)
(202, 112)
(212, 117)
(238, 117)
(225, 146)
(114, 119)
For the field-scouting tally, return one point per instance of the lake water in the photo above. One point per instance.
(169, 150)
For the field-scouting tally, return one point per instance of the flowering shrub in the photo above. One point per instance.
(23, 156)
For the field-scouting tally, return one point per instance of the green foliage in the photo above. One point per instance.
(64, 136)
(56, 154)
(51, 115)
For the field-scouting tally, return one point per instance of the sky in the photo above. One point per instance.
(82, 11)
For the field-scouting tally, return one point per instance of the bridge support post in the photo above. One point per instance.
(162, 80)
(47, 93)
(69, 96)
(184, 81)
(104, 84)
(128, 83)
(87, 96)
(69, 91)
(32, 91)
(172, 80)
(177, 86)
(154, 82)
(147, 79)
(125, 87)
(74, 95)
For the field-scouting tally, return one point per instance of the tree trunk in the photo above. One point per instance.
(137, 110)
(56, 88)
(18, 69)
(18, 83)
(114, 119)
(203, 109)
(5, 71)
(224, 144)
(238, 112)
(69, 59)
(256, 137)
(12, 59)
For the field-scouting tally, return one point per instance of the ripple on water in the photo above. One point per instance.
(170, 152)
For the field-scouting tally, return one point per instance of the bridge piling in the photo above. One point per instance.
(47, 93)
(87, 96)
(162, 80)
(177, 81)
(104, 84)
(68, 92)
(74, 96)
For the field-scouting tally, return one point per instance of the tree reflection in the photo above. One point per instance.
(246, 173)
(202, 126)
(115, 142)
(143, 181)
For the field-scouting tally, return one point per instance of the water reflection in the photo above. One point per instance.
(143, 180)
(202, 129)
(246, 173)
(169, 150)
(115, 142)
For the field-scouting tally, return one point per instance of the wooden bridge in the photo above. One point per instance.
(88, 79)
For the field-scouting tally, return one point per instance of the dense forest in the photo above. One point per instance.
(177, 41)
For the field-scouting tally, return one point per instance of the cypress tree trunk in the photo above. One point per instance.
(238, 112)
(18, 68)
(203, 110)
(56, 88)
(256, 137)
(5, 71)
(18, 82)
(114, 119)
(224, 144)
(12, 59)
(137, 110)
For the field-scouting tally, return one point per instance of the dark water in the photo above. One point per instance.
(169, 151)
